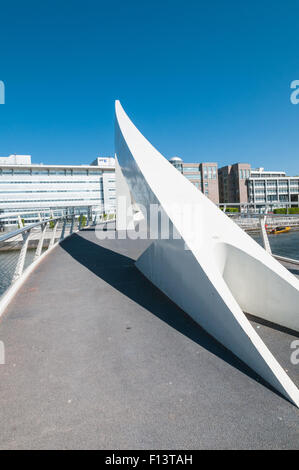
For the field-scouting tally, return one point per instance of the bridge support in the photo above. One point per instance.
(21, 260)
(41, 241)
(222, 273)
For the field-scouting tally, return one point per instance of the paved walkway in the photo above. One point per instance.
(97, 357)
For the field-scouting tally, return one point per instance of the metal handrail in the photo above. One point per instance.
(16, 243)
(19, 231)
(17, 269)
(288, 260)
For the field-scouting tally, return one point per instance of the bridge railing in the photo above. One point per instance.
(20, 248)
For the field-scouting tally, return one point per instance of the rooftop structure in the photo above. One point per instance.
(16, 160)
(262, 173)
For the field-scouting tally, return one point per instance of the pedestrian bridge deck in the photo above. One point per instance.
(97, 357)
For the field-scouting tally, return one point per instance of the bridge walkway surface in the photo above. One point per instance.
(97, 357)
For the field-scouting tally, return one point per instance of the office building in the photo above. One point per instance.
(26, 186)
(272, 187)
(233, 183)
(204, 176)
(239, 183)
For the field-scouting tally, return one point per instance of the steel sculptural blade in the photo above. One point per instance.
(222, 274)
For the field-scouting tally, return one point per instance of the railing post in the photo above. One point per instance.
(41, 241)
(72, 224)
(23, 236)
(53, 235)
(63, 230)
(20, 222)
(21, 260)
(264, 234)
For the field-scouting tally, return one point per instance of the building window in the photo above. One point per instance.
(193, 177)
(79, 172)
(57, 172)
(40, 172)
(21, 172)
(190, 168)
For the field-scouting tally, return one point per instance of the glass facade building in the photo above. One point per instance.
(239, 183)
(272, 187)
(25, 186)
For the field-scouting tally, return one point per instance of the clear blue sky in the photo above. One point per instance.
(208, 81)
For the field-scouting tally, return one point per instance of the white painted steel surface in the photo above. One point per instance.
(223, 273)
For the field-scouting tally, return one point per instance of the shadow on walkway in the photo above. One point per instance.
(120, 272)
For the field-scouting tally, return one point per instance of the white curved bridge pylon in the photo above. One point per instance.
(222, 274)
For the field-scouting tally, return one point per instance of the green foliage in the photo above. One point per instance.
(291, 210)
(82, 220)
(51, 223)
(232, 209)
(280, 211)
(23, 223)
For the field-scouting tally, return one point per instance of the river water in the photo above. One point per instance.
(284, 244)
(8, 263)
